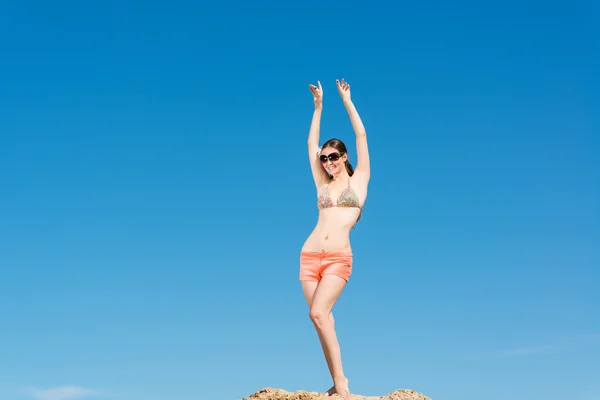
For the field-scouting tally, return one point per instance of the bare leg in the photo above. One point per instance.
(323, 300)
(309, 288)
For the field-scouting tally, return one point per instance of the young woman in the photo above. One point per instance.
(326, 257)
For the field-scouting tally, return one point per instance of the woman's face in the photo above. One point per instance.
(332, 161)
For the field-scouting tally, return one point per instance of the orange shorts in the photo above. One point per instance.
(315, 264)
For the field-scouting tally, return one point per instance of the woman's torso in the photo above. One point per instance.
(340, 207)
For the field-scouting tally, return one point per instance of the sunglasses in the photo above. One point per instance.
(331, 157)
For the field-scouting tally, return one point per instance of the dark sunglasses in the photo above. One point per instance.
(332, 157)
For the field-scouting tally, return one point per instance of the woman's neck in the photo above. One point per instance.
(342, 176)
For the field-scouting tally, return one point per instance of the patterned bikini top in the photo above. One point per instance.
(347, 198)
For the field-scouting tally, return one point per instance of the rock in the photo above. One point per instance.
(280, 394)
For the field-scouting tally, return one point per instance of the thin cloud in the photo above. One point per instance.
(570, 344)
(62, 393)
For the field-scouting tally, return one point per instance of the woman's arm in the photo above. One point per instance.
(363, 165)
(319, 175)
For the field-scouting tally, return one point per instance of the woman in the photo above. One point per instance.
(326, 257)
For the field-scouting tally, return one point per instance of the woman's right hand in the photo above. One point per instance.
(317, 93)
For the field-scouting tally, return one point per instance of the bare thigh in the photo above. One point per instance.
(327, 293)
(309, 288)
(331, 290)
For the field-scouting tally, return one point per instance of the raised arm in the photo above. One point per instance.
(319, 175)
(363, 164)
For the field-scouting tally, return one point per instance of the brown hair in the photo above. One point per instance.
(341, 148)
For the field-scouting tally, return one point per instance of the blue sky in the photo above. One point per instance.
(156, 193)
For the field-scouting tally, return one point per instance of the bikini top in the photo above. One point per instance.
(347, 198)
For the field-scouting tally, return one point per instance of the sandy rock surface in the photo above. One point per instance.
(280, 394)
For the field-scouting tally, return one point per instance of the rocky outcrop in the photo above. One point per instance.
(280, 394)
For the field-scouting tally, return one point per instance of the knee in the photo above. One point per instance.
(318, 317)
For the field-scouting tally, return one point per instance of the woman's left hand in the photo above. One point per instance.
(344, 89)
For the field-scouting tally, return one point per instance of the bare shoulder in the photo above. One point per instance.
(321, 186)
(361, 178)
(360, 183)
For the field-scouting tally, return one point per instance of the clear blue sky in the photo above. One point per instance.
(156, 193)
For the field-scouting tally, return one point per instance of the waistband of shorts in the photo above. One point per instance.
(324, 253)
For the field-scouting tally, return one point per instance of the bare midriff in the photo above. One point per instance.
(332, 232)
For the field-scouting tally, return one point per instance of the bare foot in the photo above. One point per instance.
(331, 391)
(341, 387)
